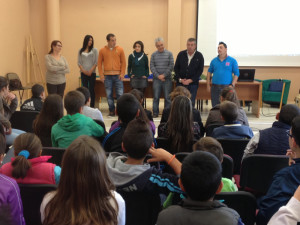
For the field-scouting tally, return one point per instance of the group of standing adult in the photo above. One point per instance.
(111, 64)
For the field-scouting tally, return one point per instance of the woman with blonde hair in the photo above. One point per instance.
(85, 194)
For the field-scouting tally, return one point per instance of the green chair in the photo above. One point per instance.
(270, 97)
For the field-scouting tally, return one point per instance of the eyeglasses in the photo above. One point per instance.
(288, 134)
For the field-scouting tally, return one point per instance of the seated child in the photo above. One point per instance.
(85, 194)
(232, 129)
(200, 178)
(285, 181)
(35, 103)
(28, 166)
(209, 144)
(130, 174)
(94, 113)
(74, 124)
(128, 108)
(273, 140)
(10, 198)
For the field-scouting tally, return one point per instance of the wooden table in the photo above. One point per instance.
(246, 91)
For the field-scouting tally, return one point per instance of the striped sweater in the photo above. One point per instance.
(162, 63)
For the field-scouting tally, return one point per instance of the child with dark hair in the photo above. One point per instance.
(88, 111)
(35, 103)
(232, 128)
(209, 144)
(273, 140)
(214, 116)
(28, 166)
(140, 97)
(74, 124)
(128, 108)
(286, 181)
(130, 174)
(200, 178)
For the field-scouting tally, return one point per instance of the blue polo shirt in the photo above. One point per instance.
(222, 71)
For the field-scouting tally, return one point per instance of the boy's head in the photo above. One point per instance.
(137, 139)
(209, 144)
(295, 132)
(201, 176)
(38, 91)
(127, 108)
(74, 101)
(229, 111)
(288, 113)
(86, 93)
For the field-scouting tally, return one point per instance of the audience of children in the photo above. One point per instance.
(180, 90)
(128, 108)
(209, 144)
(28, 166)
(285, 182)
(74, 124)
(85, 193)
(8, 105)
(180, 130)
(35, 103)
(51, 112)
(140, 97)
(232, 129)
(214, 116)
(201, 179)
(273, 140)
(88, 111)
(10, 199)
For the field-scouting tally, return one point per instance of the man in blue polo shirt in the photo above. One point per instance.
(222, 67)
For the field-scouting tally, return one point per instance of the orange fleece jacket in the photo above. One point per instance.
(111, 62)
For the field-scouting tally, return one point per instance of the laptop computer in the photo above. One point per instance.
(246, 75)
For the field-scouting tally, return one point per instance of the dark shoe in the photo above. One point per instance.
(111, 114)
(155, 115)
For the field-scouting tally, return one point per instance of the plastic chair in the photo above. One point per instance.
(141, 208)
(23, 120)
(32, 196)
(257, 171)
(227, 167)
(235, 149)
(242, 202)
(56, 153)
(21, 89)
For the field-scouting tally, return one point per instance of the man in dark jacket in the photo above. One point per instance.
(189, 67)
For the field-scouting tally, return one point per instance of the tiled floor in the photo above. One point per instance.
(267, 115)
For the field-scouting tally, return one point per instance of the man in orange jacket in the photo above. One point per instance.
(111, 66)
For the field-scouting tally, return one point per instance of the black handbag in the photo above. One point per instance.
(138, 82)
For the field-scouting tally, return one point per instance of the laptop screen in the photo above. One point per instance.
(246, 75)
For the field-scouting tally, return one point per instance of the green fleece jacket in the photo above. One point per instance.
(68, 128)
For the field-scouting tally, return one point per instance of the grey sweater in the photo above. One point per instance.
(162, 63)
(56, 69)
(88, 60)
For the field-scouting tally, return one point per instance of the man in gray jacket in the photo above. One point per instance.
(161, 65)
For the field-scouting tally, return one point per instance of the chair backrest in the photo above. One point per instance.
(102, 124)
(141, 208)
(32, 196)
(257, 171)
(165, 143)
(181, 155)
(56, 153)
(242, 202)
(275, 97)
(227, 167)
(23, 120)
(210, 128)
(235, 149)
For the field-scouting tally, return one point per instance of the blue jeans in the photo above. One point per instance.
(89, 82)
(110, 82)
(215, 93)
(167, 88)
(193, 88)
